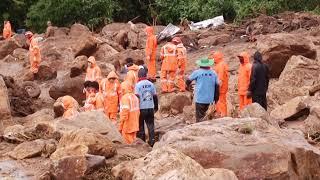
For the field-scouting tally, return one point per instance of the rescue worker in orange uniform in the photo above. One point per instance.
(7, 31)
(129, 113)
(222, 70)
(132, 74)
(93, 70)
(111, 91)
(244, 75)
(94, 100)
(34, 52)
(182, 63)
(151, 53)
(169, 66)
(67, 107)
(70, 106)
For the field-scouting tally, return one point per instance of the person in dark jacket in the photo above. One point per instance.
(146, 92)
(259, 81)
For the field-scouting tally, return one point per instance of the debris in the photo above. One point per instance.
(214, 22)
(169, 31)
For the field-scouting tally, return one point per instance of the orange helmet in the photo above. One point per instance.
(176, 40)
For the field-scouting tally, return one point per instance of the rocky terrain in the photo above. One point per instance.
(282, 143)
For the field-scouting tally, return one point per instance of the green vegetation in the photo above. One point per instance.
(95, 13)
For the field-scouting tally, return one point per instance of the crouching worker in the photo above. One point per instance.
(129, 113)
(146, 92)
(66, 106)
(207, 87)
(111, 91)
(94, 99)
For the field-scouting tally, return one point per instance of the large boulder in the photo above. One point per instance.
(277, 49)
(215, 40)
(290, 110)
(166, 163)
(76, 167)
(254, 110)
(78, 30)
(296, 79)
(42, 116)
(21, 41)
(120, 58)
(68, 86)
(97, 144)
(20, 54)
(173, 103)
(251, 147)
(18, 133)
(104, 51)
(109, 30)
(312, 123)
(80, 41)
(28, 149)
(5, 112)
(95, 121)
(7, 47)
(78, 66)
(46, 73)
(21, 102)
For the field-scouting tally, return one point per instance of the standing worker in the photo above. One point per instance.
(7, 31)
(244, 80)
(222, 70)
(34, 52)
(129, 113)
(168, 56)
(259, 81)
(111, 91)
(207, 87)
(93, 71)
(132, 74)
(146, 92)
(182, 63)
(151, 53)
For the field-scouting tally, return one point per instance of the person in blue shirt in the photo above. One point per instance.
(146, 92)
(206, 87)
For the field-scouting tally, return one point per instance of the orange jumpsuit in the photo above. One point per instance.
(111, 93)
(129, 113)
(182, 63)
(244, 80)
(168, 56)
(94, 101)
(132, 75)
(34, 55)
(221, 68)
(93, 73)
(70, 106)
(151, 52)
(7, 31)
